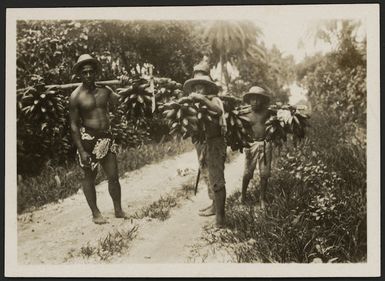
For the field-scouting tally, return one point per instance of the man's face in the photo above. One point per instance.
(199, 89)
(258, 102)
(88, 74)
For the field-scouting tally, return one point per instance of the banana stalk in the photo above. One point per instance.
(286, 120)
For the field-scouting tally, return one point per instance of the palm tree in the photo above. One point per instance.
(343, 38)
(231, 43)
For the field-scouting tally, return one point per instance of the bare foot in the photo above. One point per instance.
(121, 214)
(99, 219)
(208, 212)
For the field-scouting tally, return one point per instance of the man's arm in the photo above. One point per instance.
(214, 104)
(113, 98)
(74, 121)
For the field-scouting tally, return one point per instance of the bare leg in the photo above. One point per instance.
(90, 194)
(245, 183)
(250, 164)
(262, 197)
(110, 168)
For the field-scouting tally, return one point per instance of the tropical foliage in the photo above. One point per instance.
(46, 52)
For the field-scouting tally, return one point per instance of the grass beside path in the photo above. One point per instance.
(114, 243)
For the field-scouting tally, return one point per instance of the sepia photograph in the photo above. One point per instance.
(193, 141)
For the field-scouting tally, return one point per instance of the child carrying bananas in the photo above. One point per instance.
(211, 153)
(260, 151)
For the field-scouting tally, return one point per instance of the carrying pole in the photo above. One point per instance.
(74, 85)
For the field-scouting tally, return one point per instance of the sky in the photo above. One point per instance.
(287, 35)
(291, 37)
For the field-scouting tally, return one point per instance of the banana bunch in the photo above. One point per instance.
(189, 119)
(205, 116)
(40, 104)
(298, 124)
(136, 99)
(183, 118)
(166, 89)
(285, 120)
(276, 130)
(239, 133)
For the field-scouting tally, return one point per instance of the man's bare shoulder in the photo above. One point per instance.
(75, 94)
(104, 89)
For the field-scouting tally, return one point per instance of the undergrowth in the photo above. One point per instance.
(316, 209)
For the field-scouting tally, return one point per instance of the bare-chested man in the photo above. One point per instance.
(89, 110)
(260, 151)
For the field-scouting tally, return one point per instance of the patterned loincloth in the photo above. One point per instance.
(260, 152)
(97, 144)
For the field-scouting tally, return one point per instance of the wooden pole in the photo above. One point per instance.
(74, 85)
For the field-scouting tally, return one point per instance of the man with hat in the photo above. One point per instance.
(90, 124)
(260, 151)
(212, 153)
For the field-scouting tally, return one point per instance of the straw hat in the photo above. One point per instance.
(256, 91)
(86, 59)
(201, 76)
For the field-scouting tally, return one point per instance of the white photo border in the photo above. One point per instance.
(369, 13)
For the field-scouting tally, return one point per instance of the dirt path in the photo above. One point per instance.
(171, 241)
(52, 234)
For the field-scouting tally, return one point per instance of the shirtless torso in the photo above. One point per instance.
(93, 106)
(257, 120)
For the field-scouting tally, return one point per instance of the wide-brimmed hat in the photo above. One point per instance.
(200, 77)
(86, 59)
(256, 91)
